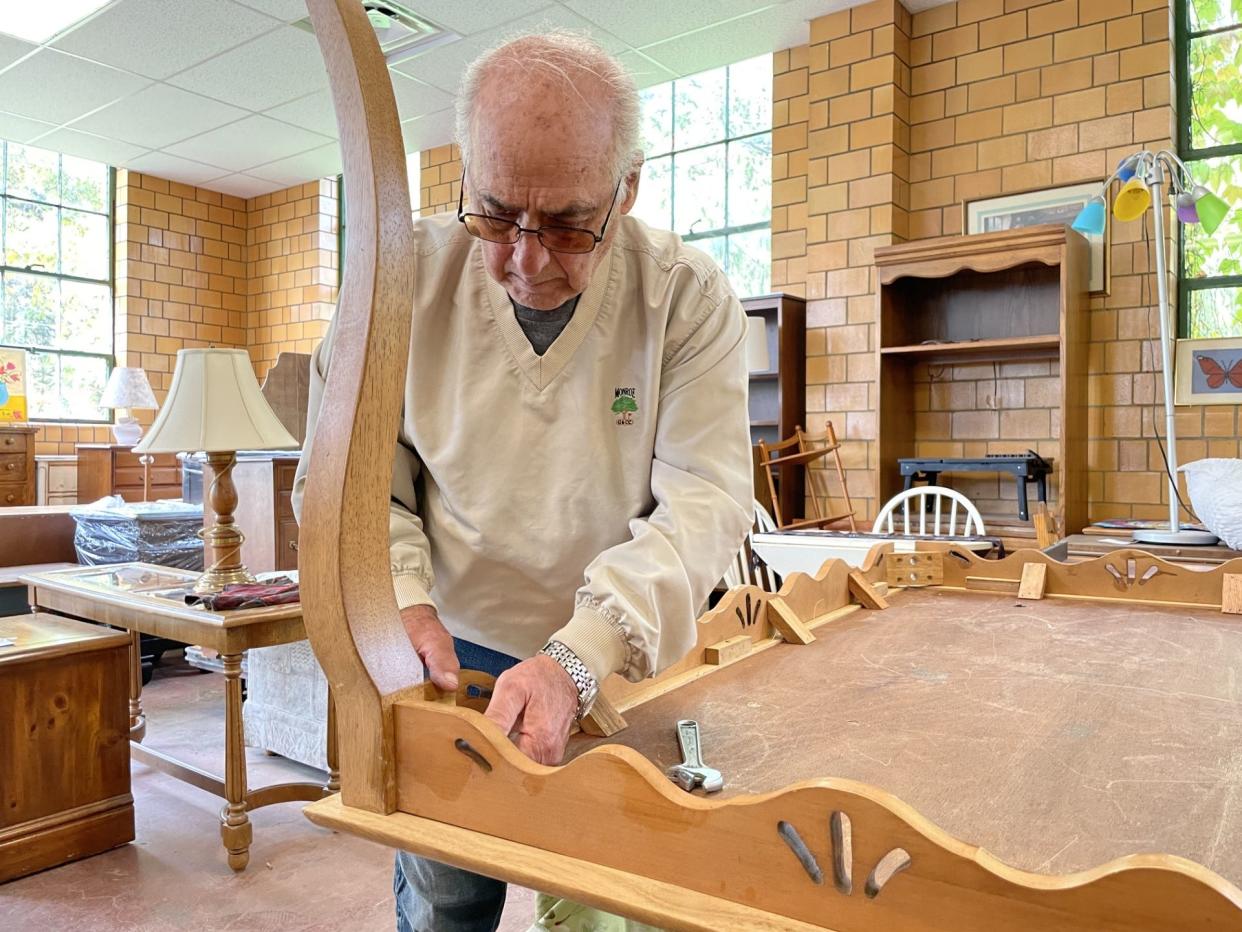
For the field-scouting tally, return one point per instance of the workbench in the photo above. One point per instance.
(1024, 467)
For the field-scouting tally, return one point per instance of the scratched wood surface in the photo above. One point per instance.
(1055, 734)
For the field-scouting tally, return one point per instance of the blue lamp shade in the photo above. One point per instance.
(1126, 167)
(1091, 218)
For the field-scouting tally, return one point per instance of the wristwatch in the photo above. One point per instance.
(587, 685)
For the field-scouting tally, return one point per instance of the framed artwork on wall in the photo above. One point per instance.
(1049, 205)
(1208, 372)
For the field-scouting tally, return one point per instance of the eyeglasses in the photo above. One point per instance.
(552, 238)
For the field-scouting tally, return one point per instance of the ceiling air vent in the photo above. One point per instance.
(401, 33)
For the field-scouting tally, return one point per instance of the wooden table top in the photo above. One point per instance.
(151, 599)
(1057, 734)
(45, 636)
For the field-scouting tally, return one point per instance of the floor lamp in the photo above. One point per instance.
(1142, 178)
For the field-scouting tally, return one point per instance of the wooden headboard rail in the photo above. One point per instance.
(348, 600)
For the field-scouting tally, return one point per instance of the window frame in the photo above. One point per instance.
(726, 140)
(109, 358)
(1182, 38)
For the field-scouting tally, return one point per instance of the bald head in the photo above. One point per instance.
(553, 91)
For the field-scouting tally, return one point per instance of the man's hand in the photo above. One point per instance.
(536, 702)
(433, 643)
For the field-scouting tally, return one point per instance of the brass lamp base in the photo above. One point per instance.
(223, 540)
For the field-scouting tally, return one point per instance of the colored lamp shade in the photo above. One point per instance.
(1126, 168)
(1132, 200)
(1185, 206)
(757, 359)
(1091, 218)
(1210, 208)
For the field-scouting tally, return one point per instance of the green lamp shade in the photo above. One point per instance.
(1132, 200)
(1091, 218)
(1210, 208)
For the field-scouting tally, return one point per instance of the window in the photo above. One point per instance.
(708, 174)
(1209, 88)
(56, 278)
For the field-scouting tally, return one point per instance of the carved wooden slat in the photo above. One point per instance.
(348, 602)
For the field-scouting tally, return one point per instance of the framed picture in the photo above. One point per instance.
(1051, 205)
(13, 386)
(1208, 372)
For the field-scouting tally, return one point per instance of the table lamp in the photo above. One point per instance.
(757, 345)
(1142, 178)
(215, 405)
(126, 390)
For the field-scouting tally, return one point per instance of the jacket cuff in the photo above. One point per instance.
(597, 640)
(410, 591)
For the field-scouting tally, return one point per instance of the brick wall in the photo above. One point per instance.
(291, 248)
(1003, 96)
(440, 179)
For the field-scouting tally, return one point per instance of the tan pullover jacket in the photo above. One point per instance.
(594, 494)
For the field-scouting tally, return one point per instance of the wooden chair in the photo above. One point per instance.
(931, 498)
(801, 450)
(444, 782)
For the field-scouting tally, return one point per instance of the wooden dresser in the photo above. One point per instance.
(114, 469)
(64, 743)
(17, 466)
(264, 513)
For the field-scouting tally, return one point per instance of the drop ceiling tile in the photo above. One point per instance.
(19, 129)
(264, 73)
(736, 40)
(323, 162)
(427, 132)
(173, 168)
(467, 18)
(12, 48)
(643, 22)
(240, 185)
(157, 38)
(158, 116)
(88, 146)
(255, 140)
(442, 65)
(415, 98)
(287, 11)
(646, 71)
(56, 87)
(314, 112)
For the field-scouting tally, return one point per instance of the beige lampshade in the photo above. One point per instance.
(127, 388)
(757, 359)
(215, 405)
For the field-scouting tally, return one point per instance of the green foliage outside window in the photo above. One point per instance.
(708, 172)
(1209, 44)
(55, 277)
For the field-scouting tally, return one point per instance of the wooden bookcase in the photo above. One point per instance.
(1015, 295)
(778, 396)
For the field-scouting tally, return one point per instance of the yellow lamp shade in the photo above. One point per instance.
(1132, 200)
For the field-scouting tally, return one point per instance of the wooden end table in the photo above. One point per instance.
(145, 599)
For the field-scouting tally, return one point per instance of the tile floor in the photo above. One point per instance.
(174, 876)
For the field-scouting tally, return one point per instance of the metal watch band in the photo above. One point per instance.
(585, 682)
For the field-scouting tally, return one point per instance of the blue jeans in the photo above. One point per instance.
(434, 897)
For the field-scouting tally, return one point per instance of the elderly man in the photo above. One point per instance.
(573, 466)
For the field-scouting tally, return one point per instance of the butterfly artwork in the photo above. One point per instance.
(1219, 372)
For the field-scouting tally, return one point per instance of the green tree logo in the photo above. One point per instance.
(624, 408)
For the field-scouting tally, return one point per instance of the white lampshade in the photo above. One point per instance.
(215, 405)
(127, 388)
(757, 359)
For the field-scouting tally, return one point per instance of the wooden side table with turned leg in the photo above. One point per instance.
(146, 599)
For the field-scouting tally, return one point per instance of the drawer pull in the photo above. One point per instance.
(10, 497)
(293, 545)
(9, 441)
(10, 466)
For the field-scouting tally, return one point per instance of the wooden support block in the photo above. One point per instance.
(603, 720)
(789, 625)
(1034, 578)
(728, 650)
(862, 590)
(1045, 526)
(1231, 594)
(922, 568)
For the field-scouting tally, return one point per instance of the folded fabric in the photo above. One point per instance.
(279, 591)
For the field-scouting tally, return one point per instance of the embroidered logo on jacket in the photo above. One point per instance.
(624, 405)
